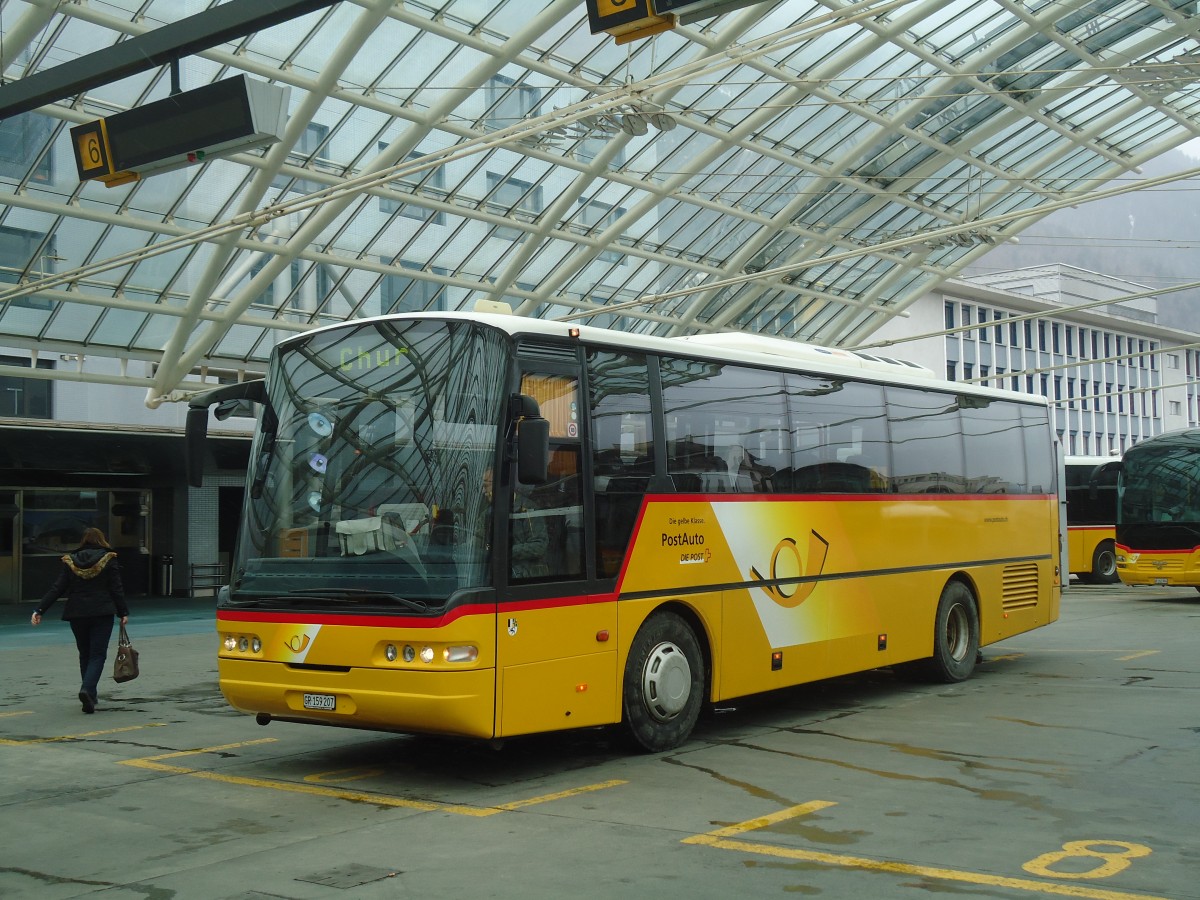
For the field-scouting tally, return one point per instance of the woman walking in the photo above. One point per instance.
(91, 580)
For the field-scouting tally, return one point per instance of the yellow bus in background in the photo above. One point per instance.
(1091, 489)
(1158, 516)
(486, 525)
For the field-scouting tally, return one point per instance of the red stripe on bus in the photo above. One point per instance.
(371, 621)
(1159, 552)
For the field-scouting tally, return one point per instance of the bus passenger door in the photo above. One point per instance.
(556, 663)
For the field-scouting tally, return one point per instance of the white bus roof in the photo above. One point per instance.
(738, 347)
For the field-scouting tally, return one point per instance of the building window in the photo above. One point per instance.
(25, 398)
(951, 371)
(1176, 407)
(984, 334)
(508, 103)
(309, 149)
(293, 290)
(22, 138)
(26, 253)
(596, 217)
(513, 194)
(949, 315)
(400, 293)
(996, 317)
(426, 181)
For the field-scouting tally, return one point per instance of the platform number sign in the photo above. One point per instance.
(92, 156)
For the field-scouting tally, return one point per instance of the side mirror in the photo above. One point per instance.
(1098, 473)
(532, 439)
(195, 437)
(533, 450)
(228, 397)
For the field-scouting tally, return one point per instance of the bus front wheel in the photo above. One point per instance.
(664, 683)
(1104, 564)
(955, 638)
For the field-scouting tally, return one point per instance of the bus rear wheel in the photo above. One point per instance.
(664, 683)
(955, 638)
(1104, 564)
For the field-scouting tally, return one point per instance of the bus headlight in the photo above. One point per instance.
(409, 653)
(426, 654)
(241, 643)
(461, 654)
(390, 652)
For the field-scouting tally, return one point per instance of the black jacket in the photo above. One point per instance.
(91, 580)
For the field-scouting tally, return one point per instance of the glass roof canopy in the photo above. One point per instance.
(805, 169)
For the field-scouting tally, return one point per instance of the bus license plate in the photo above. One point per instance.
(320, 701)
(1161, 582)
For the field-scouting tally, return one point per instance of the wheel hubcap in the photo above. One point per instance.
(666, 682)
(958, 632)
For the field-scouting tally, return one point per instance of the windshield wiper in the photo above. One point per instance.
(340, 596)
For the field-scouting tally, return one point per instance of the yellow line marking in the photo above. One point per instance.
(764, 822)
(287, 787)
(1137, 655)
(23, 712)
(154, 763)
(561, 795)
(719, 840)
(10, 742)
(175, 754)
(339, 775)
(1008, 658)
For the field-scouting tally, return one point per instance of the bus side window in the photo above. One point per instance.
(622, 442)
(547, 523)
(547, 519)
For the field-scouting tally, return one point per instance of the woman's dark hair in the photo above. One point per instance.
(94, 537)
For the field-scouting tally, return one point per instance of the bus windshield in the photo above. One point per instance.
(1160, 491)
(366, 481)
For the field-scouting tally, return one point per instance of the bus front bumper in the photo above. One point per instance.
(458, 703)
(1159, 569)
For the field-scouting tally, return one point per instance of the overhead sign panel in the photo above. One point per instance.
(626, 20)
(688, 11)
(216, 120)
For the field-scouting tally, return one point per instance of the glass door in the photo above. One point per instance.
(8, 547)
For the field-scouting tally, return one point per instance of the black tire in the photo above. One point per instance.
(664, 683)
(1104, 564)
(955, 637)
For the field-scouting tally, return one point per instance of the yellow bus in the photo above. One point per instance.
(1091, 489)
(1158, 516)
(486, 525)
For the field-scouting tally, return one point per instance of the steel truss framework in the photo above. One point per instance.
(806, 169)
